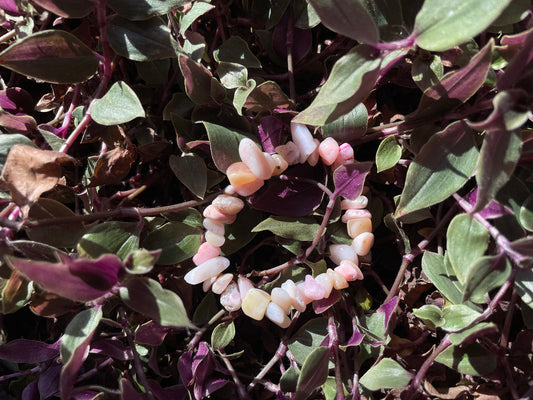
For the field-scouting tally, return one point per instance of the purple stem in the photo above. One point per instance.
(334, 350)
(25, 372)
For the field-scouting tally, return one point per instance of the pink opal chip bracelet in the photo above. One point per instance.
(246, 177)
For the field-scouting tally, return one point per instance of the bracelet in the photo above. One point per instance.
(248, 176)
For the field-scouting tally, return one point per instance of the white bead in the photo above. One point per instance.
(230, 189)
(207, 270)
(326, 282)
(214, 239)
(245, 284)
(289, 151)
(255, 303)
(254, 159)
(206, 285)
(281, 298)
(214, 226)
(363, 243)
(357, 226)
(315, 155)
(338, 280)
(353, 213)
(227, 204)
(339, 252)
(221, 283)
(358, 203)
(230, 298)
(277, 315)
(297, 300)
(303, 140)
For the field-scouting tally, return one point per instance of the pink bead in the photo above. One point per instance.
(290, 153)
(329, 150)
(221, 283)
(205, 252)
(313, 289)
(230, 298)
(244, 284)
(315, 155)
(249, 188)
(300, 289)
(213, 213)
(349, 271)
(254, 159)
(355, 214)
(345, 156)
(358, 203)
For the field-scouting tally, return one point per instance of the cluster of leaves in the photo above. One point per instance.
(118, 120)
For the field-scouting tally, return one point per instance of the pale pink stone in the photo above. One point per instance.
(249, 188)
(206, 285)
(345, 156)
(255, 303)
(349, 271)
(329, 150)
(221, 283)
(214, 239)
(229, 205)
(326, 282)
(230, 298)
(338, 280)
(245, 284)
(229, 190)
(281, 298)
(314, 156)
(206, 270)
(358, 226)
(303, 139)
(339, 252)
(254, 159)
(355, 214)
(213, 213)
(213, 226)
(357, 203)
(363, 243)
(280, 164)
(205, 252)
(290, 153)
(313, 289)
(301, 289)
(277, 315)
(297, 298)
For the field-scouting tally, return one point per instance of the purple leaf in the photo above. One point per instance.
(213, 385)
(350, 178)
(79, 280)
(10, 7)
(17, 123)
(85, 395)
(387, 309)
(293, 196)
(48, 382)
(151, 333)
(322, 305)
(520, 64)
(493, 210)
(185, 367)
(270, 129)
(356, 338)
(28, 351)
(112, 348)
(31, 392)
(128, 392)
(170, 392)
(66, 8)
(301, 39)
(16, 101)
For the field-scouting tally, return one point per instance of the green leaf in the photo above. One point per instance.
(141, 261)
(198, 9)
(241, 95)
(514, 13)
(239, 234)
(430, 314)
(467, 241)
(141, 40)
(307, 338)
(191, 171)
(222, 335)
(314, 372)
(113, 237)
(433, 267)
(526, 214)
(232, 75)
(339, 16)
(236, 50)
(479, 329)
(178, 242)
(427, 70)
(441, 25)
(67, 8)
(54, 141)
(471, 360)
(289, 379)
(524, 286)
(352, 78)
(486, 273)
(139, 10)
(393, 224)
(78, 330)
(388, 154)
(387, 374)
(207, 309)
(119, 105)
(224, 145)
(53, 56)
(147, 297)
(457, 316)
(8, 141)
(350, 126)
(304, 229)
(442, 166)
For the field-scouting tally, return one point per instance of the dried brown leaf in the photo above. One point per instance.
(29, 172)
(113, 166)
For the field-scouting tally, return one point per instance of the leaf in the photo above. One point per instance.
(267, 97)
(471, 360)
(191, 171)
(53, 56)
(198, 80)
(478, 330)
(198, 9)
(430, 314)
(314, 372)
(433, 267)
(79, 280)
(241, 95)
(224, 145)
(350, 126)
(29, 172)
(141, 261)
(339, 16)
(28, 351)
(442, 166)
(486, 273)
(352, 78)
(239, 234)
(232, 75)
(457, 316)
(119, 105)
(146, 296)
(524, 286)
(526, 213)
(144, 9)
(7, 142)
(467, 241)
(386, 374)
(350, 178)
(308, 337)
(119, 238)
(427, 70)
(75, 346)
(439, 26)
(178, 242)
(388, 154)
(236, 50)
(289, 379)
(140, 40)
(17, 123)
(67, 8)
(222, 335)
(304, 229)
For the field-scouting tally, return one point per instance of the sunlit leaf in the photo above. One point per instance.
(388, 154)
(314, 372)
(384, 375)
(304, 229)
(472, 360)
(222, 335)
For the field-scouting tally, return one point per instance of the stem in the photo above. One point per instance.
(240, 387)
(280, 352)
(334, 349)
(198, 335)
(7, 36)
(290, 62)
(18, 374)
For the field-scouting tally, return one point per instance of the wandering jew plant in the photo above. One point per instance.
(266, 200)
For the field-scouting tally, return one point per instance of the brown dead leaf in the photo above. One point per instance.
(29, 172)
(448, 393)
(113, 166)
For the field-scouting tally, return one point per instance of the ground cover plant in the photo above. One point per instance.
(118, 122)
